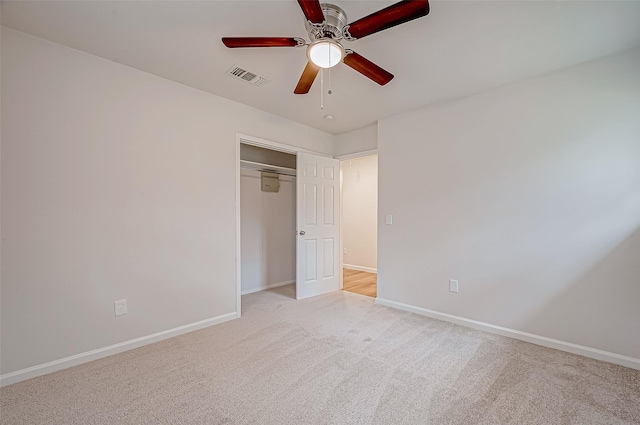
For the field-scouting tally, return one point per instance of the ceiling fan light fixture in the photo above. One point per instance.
(325, 52)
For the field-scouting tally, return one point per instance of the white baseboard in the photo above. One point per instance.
(359, 268)
(522, 336)
(77, 359)
(263, 288)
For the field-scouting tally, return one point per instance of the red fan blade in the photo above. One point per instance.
(367, 68)
(234, 42)
(307, 78)
(396, 14)
(312, 10)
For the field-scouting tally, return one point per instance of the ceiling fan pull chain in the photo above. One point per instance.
(329, 91)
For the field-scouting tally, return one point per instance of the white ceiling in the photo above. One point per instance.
(460, 48)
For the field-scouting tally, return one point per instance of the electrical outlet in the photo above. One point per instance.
(120, 307)
(453, 285)
(345, 251)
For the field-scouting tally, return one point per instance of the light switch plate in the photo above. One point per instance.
(388, 219)
(453, 285)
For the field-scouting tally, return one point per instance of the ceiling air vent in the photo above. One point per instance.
(248, 76)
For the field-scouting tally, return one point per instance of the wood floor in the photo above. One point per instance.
(358, 282)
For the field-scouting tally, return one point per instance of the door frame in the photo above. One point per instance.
(361, 154)
(276, 146)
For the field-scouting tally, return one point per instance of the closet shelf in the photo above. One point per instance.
(257, 166)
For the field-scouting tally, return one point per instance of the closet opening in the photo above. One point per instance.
(267, 220)
(359, 179)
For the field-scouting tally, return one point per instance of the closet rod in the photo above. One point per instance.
(267, 168)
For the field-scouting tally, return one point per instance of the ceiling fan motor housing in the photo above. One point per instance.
(334, 21)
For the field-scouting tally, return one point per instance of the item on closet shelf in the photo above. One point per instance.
(270, 182)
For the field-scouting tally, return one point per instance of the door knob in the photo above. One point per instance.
(302, 233)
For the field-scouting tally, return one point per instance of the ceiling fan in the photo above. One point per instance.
(327, 26)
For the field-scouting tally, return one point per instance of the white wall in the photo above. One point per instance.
(268, 226)
(360, 212)
(119, 184)
(363, 139)
(115, 184)
(530, 196)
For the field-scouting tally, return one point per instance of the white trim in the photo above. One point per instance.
(77, 359)
(341, 256)
(238, 235)
(264, 288)
(359, 268)
(282, 147)
(354, 155)
(569, 347)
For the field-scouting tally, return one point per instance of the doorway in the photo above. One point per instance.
(360, 224)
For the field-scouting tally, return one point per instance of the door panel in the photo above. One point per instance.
(310, 207)
(328, 257)
(327, 198)
(318, 222)
(311, 260)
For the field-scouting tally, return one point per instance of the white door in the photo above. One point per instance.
(318, 225)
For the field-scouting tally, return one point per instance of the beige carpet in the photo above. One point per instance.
(334, 359)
